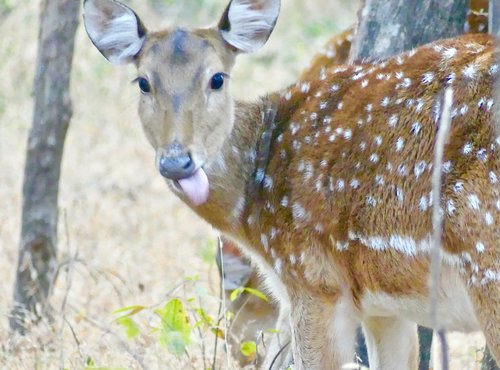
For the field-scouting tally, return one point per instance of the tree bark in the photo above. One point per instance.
(52, 112)
(494, 18)
(389, 27)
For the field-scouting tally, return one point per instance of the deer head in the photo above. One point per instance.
(185, 107)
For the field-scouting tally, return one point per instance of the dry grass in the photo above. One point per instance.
(134, 241)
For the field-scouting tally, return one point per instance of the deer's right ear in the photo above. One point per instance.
(114, 28)
(247, 24)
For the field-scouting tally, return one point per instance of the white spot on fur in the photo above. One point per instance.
(488, 218)
(467, 149)
(298, 212)
(449, 53)
(419, 169)
(393, 120)
(493, 177)
(474, 202)
(371, 201)
(374, 158)
(264, 242)
(450, 207)
(427, 78)
(480, 247)
(423, 204)
(470, 71)
(385, 101)
(400, 143)
(416, 128)
(278, 266)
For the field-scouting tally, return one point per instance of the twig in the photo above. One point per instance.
(223, 289)
(278, 354)
(445, 361)
(75, 337)
(437, 219)
(69, 283)
(222, 308)
(202, 339)
(122, 343)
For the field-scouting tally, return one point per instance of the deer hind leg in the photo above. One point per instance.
(392, 343)
(476, 226)
(484, 288)
(324, 332)
(486, 302)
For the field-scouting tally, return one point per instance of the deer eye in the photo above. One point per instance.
(217, 81)
(143, 85)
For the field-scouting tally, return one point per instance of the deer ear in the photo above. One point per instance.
(247, 24)
(114, 28)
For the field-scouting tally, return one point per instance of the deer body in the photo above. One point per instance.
(326, 185)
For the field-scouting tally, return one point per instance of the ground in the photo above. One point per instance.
(124, 239)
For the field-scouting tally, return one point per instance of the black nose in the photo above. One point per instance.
(176, 167)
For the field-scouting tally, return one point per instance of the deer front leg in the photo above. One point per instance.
(392, 343)
(323, 331)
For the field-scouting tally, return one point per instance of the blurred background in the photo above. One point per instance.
(126, 238)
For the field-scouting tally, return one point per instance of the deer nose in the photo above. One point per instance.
(176, 167)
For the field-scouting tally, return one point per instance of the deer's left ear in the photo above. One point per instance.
(114, 28)
(247, 24)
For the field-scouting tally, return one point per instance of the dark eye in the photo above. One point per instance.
(143, 85)
(217, 81)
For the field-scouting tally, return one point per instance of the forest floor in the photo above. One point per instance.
(124, 239)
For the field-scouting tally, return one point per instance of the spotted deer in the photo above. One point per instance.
(254, 315)
(326, 185)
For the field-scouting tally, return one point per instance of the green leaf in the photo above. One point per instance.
(236, 293)
(248, 348)
(193, 278)
(206, 319)
(273, 331)
(133, 310)
(218, 332)
(207, 253)
(175, 331)
(257, 293)
(89, 361)
(240, 290)
(131, 328)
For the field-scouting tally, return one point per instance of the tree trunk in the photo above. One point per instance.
(389, 27)
(494, 17)
(52, 112)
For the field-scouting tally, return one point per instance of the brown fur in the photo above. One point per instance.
(338, 210)
(335, 52)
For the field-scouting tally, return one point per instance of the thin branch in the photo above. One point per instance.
(69, 283)
(75, 337)
(223, 289)
(122, 343)
(437, 218)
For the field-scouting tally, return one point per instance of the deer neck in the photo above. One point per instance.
(238, 173)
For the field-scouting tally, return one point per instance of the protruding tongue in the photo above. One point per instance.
(196, 187)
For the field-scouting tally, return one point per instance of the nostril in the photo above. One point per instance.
(189, 163)
(176, 167)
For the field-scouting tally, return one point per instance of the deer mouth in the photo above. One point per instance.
(195, 187)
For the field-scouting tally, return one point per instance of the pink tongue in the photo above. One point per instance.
(195, 187)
